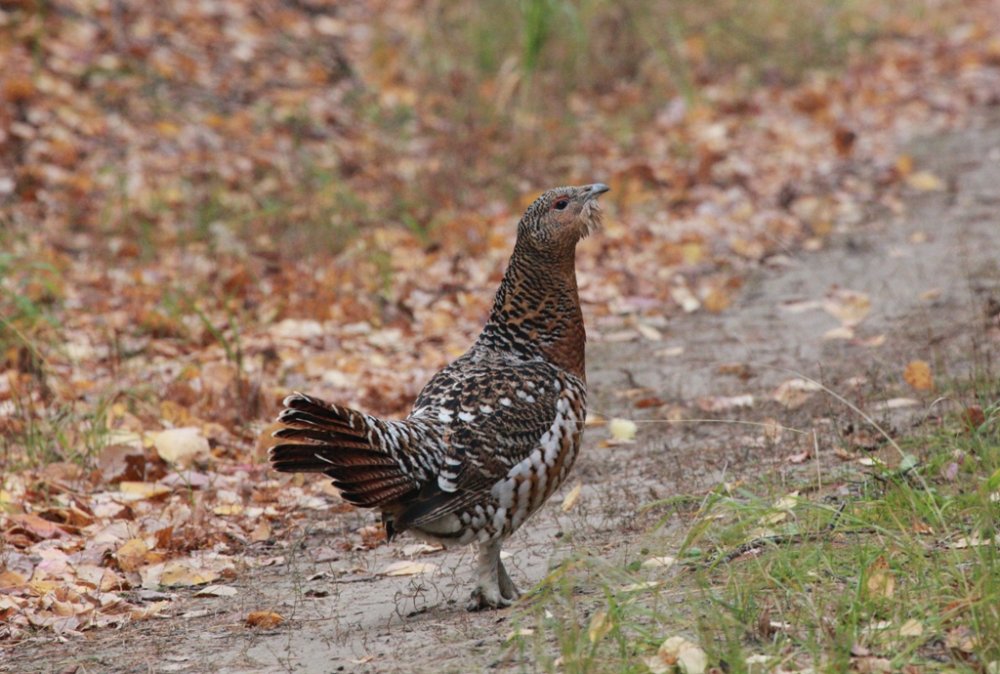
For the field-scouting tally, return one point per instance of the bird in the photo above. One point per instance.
(492, 435)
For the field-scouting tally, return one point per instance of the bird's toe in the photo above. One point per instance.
(488, 598)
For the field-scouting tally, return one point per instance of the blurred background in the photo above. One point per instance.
(204, 203)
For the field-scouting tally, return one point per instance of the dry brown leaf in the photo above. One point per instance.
(881, 582)
(10, 579)
(264, 619)
(261, 531)
(794, 393)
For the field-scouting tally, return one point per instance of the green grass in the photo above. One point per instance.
(891, 564)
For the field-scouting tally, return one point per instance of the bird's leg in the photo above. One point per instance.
(494, 588)
(508, 590)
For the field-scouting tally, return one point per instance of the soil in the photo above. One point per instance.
(933, 277)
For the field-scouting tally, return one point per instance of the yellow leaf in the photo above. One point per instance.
(599, 626)
(911, 628)
(228, 509)
(918, 375)
(622, 430)
(881, 582)
(131, 554)
(571, 498)
(136, 491)
(925, 181)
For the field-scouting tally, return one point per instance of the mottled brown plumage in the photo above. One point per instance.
(492, 435)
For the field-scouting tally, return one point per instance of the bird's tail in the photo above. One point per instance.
(347, 445)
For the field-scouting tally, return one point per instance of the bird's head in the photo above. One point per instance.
(561, 217)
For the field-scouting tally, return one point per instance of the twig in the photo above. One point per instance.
(781, 539)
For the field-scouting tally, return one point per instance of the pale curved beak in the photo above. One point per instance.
(597, 189)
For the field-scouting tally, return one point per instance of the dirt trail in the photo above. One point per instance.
(929, 276)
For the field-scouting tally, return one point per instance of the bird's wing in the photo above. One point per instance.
(495, 415)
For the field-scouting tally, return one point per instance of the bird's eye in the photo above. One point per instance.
(561, 204)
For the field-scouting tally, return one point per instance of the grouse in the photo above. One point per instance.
(491, 436)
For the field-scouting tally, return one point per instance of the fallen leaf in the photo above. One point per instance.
(572, 497)
(685, 298)
(414, 549)
(622, 430)
(925, 181)
(216, 591)
(973, 541)
(974, 417)
(659, 562)
(10, 579)
(38, 527)
(918, 375)
(793, 393)
(723, 403)
(264, 619)
(140, 491)
(131, 554)
(649, 332)
(179, 573)
(850, 307)
(677, 652)
(840, 332)
(600, 625)
(911, 628)
(407, 568)
(881, 582)
(181, 446)
(962, 639)
(520, 632)
(897, 403)
(261, 531)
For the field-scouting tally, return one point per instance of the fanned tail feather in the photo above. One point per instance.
(342, 443)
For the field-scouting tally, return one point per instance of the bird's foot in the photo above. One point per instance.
(484, 598)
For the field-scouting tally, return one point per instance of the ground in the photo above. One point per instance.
(931, 275)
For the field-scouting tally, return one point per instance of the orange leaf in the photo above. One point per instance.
(264, 619)
(918, 375)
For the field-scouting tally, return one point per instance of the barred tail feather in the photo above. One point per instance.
(340, 442)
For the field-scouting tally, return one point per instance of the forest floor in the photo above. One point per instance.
(922, 285)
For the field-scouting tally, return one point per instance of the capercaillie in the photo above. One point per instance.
(492, 435)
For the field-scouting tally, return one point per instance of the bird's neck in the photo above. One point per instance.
(536, 311)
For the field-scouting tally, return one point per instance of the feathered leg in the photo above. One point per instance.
(494, 588)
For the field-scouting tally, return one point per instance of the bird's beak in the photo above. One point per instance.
(596, 190)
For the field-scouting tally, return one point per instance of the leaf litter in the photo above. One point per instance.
(175, 345)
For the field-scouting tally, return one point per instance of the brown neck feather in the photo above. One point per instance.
(537, 310)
